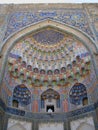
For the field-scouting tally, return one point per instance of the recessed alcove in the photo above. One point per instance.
(15, 103)
(50, 108)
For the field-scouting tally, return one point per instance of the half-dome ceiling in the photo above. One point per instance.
(48, 54)
(48, 36)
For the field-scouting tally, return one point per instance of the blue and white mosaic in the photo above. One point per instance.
(48, 36)
(22, 95)
(77, 94)
(73, 17)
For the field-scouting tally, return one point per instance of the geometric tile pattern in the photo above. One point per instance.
(73, 17)
(77, 94)
(22, 95)
(48, 37)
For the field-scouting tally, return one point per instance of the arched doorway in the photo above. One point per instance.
(50, 101)
(85, 101)
(15, 103)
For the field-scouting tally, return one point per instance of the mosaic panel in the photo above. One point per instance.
(3, 25)
(75, 17)
(48, 36)
(77, 94)
(93, 11)
(15, 111)
(22, 95)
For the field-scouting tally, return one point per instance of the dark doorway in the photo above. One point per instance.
(85, 101)
(15, 103)
(50, 108)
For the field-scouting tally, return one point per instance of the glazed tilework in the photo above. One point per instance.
(77, 94)
(47, 116)
(73, 17)
(22, 95)
(93, 11)
(48, 36)
(15, 111)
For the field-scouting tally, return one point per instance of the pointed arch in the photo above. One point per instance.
(10, 41)
(50, 95)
